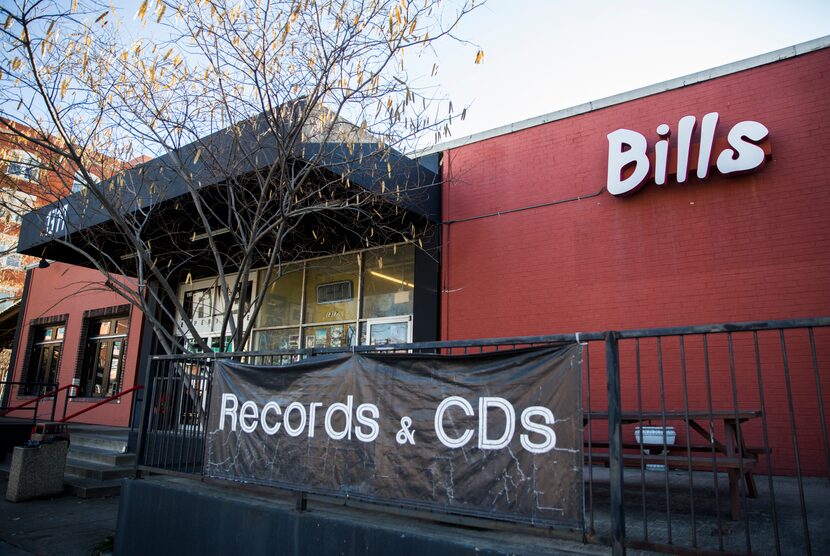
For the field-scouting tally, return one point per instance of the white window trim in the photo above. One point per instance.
(209, 327)
(78, 182)
(29, 161)
(388, 320)
(20, 203)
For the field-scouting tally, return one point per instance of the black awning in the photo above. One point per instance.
(162, 184)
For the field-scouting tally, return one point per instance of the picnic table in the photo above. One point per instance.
(729, 452)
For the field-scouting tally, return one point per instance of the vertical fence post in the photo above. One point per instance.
(207, 392)
(612, 369)
(55, 401)
(143, 423)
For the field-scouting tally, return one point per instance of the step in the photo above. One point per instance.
(111, 442)
(97, 471)
(90, 488)
(81, 487)
(99, 455)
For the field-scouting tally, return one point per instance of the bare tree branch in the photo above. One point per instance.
(277, 125)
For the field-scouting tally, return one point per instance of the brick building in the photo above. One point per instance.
(31, 177)
(36, 303)
(575, 257)
(76, 330)
(534, 242)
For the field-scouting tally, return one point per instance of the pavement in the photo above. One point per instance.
(70, 526)
(60, 526)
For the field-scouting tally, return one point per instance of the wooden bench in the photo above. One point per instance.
(603, 445)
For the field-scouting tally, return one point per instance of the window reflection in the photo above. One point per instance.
(389, 282)
(323, 303)
(42, 372)
(330, 290)
(104, 357)
(282, 303)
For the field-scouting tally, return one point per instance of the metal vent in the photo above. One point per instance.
(334, 292)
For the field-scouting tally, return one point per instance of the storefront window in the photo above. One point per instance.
(323, 303)
(212, 341)
(274, 340)
(331, 289)
(104, 357)
(282, 303)
(333, 336)
(216, 345)
(45, 360)
(383, 332)
(388, 282)
(197, 303)
(242, 299)
(204, 303)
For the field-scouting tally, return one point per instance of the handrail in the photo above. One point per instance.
(49, 394)
(102, 402)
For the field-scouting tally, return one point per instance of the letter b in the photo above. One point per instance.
(619, 159)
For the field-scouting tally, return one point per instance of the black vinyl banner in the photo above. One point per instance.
(495, 434)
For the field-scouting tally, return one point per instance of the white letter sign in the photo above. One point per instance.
(630, 163)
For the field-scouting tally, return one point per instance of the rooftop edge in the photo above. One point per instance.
(664, 86)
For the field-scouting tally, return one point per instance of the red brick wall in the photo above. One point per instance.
(728, 249)
(70, 290)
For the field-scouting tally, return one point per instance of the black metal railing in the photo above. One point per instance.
(696, 439)
(172, 429)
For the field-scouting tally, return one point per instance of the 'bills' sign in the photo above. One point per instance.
(631, 164)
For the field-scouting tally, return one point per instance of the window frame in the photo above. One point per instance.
(306, 329)
(35, 377)
(79, 184)
(88, 371)
(29, 164)
(209, 325)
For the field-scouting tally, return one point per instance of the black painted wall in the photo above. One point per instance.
(182, 517)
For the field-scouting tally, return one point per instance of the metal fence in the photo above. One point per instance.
(696, 439)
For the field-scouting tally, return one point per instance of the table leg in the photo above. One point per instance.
(734, 474)
(707, 435)
(734, 493)
(749, 480)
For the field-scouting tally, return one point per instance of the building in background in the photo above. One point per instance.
(22, 181)
(726, 219)
(29, 179)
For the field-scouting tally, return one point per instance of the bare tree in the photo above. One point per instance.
(277, 128)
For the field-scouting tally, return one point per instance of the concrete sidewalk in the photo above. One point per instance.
(62, 526)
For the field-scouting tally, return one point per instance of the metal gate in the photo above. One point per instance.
(697, 439)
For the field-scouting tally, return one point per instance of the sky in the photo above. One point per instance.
(546, 55)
